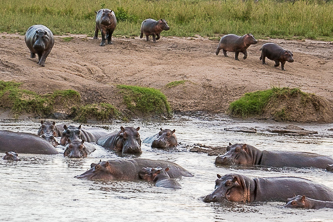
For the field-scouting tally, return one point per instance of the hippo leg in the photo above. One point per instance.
(277, 63)
(282, 65)
(218, 50)
(236, 55)
(96, 33)
(245, 54)
(43, 58)
(33, 55)
(263, 59)
(157, 36)
(141, 35)
(103, 39)
(147, 38)
(109, 37)
(225, 53)
(154, 38)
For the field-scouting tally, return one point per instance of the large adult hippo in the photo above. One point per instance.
(24, 143)
(301, 201)
(121, 169)
(78, 149)
(49, 131)
(240, 188)
(159, 177)
(127, 140)
(106, 22)
(166, 138)
(246, 155)
(91, 134)
(40, 40)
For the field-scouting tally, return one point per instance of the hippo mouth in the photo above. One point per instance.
(224, 160)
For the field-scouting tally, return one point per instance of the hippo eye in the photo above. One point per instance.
(293, 203)
(98, 167)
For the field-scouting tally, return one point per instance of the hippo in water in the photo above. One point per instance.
(106, 22)
(76, 133)
(235, 43)
(274, 52)
(159, 176)
(24, 143)
(153, 28)
(246, 155)
(127, 140)
(164, 139)
(300, 201)
(240, 188)
(49, 131)
(11, 156)
(78, 149)
(40, 40)
(120, 169)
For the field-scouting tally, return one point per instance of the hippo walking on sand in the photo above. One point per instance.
(106, 22)
(39, 39)
(235, 43)
(274, 52)
(153, 28)
(300, 201)
(240, 188)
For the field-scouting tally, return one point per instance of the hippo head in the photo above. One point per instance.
(11, 156)
(237, 154)
(100, 171)
(70, 132)
(163, 24)
(128, 140)
(41, 39)
(298, 201)
(232, 187)
(106, 17)
(47, 132)
(329, 167)
(166, 139)
(153, 174)
(249, 39)
(288, 56)
(76, 149)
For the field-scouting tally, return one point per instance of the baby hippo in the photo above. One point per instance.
(274, 52)
(235, 43)
(39, 39)
(308, 203)
(11, 156)
(154, 28)
(159, 176)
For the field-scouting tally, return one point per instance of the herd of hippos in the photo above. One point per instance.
(79, 142)
(40, 40)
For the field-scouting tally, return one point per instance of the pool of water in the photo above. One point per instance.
(43, 187)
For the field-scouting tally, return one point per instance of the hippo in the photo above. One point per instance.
(240, 188)
(78, 149)
(11, 156)
(87, 134)
(106, 22)
(49, 131)
(40, 40)
(153, 28)
(127, 140)
(300, 201)
(165, 139)
(235, 43)
(159, 176)
(274, 52)
(120, 169)
(246, 155)
(24, 143)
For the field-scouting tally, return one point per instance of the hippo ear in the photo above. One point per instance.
(107, 164)
(161, 129)
(244, 147)
(122, 128)
(230, 144)
(137, 129)
(173, 131)
(53, 123)
(218, 176)
(7, 153)
(41, 122)
(65, 127)
(303, 198)
(79, 127)
(82, 141)
(69, 141)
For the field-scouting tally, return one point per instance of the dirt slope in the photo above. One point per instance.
(212, 82)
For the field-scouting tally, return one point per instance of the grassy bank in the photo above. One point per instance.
(266, 18)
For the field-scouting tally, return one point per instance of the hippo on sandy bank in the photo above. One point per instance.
(24, 143)
(153, 28)
(120, 169)
(240, 188)
(106, 22)
(300, 201)
(246, 155)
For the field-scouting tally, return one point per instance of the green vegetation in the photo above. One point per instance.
(145, 100)
(101, 111)
(265, 18)
(175, 83)
(67, 39)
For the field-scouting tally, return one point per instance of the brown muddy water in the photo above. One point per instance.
(43, 187)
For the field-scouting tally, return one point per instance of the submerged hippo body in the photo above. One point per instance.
(79, 133)
(159, 176)
(165, 139)
(40, 40)
(300, 201)
(49, 131)
(121, 169)
(153, 28)
(239, 188)
(78, 149)
(106, 22)
(127, 140)
(235, 43)
(274, 52)
(246, 155)
(11, 156)
(24, 143)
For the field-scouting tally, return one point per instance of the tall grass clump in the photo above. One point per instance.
(265, 18)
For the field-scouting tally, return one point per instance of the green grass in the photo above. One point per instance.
(266, 18)
(175, 83)
(145, 100)
(101, 112)
(67, 39)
